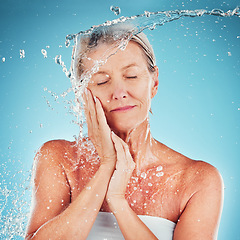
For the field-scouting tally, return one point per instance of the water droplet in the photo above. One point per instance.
(44, 53)
(3, 59)
(22, 53)
(67, 43)
(115, 9)
(147, 13)
(159, 174)
(229, 54)
(149, 184)
(58, 59)
(88, 188)
(159, 168)
(143, 175)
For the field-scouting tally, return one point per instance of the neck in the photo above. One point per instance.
(141, 145)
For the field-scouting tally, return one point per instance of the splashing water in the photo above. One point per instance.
(148, 20)
(58, 60)
(14, 209)
(44, 53)
(13, 221)
(116, 10)
(22, 53)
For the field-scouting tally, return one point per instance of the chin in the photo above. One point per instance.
(125, 126)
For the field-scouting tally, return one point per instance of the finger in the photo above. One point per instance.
(92, 112)
(121, 157)
(103, 125)
(88, 114)
(85, 106)
(127, 160)
(100, 113)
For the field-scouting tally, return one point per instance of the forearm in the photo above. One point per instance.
(76, 221)
(130, 224)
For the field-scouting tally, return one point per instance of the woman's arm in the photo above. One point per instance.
(130, 224)
(53, 216)
(201, 216)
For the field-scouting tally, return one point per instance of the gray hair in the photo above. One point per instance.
(112, 34)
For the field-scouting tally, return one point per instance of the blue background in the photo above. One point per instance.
(196, 111)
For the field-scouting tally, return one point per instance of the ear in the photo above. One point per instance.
(155, 82)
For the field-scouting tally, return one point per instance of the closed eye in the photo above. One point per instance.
(101, 83)
(131, 77)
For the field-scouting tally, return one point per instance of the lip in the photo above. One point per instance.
(122, 109)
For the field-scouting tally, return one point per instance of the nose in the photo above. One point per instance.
(119, 91)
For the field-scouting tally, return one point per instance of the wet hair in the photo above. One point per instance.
(113, 34)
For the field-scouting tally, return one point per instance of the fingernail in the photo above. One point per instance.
(95, 99)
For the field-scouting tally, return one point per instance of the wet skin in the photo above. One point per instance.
(163, 193)
(167, 195)
(149, 176)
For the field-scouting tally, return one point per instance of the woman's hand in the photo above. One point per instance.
(98, 129)
(120, 178)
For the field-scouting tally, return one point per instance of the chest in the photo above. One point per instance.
(156, 195)
(152, 192)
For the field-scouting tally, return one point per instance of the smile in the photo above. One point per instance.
(122, 109)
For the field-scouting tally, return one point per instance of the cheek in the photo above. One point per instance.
(144, 93)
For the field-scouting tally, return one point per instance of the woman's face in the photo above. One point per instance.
(124, 86)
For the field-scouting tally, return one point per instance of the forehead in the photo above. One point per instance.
(116, 57)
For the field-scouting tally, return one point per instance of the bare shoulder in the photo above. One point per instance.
(196, 171)
(56, 150)
(204, 174)
(58, 146)
(202, 202)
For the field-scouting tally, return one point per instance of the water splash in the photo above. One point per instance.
(13, 219)
(14, 206)
(58, 60)
(44, 53)
(116, 10)
(147, 20)
(22, 53)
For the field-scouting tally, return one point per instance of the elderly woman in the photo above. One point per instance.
(129, 185)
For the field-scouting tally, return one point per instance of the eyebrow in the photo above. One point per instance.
(123, 68)
(130, 65)
(100, 72)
